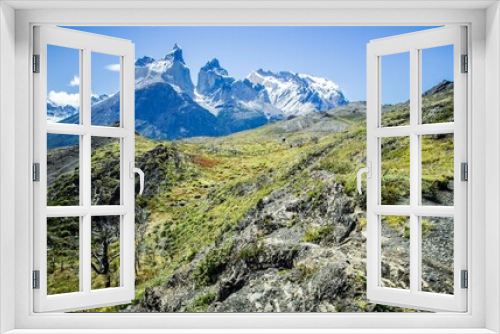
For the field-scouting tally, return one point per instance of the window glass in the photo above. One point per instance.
(63, 85)
(437, 169)
(395, 170)
(105, 87)
(105, 169)
(395, 89)
(105, 249)
(63, 255)
(437, 238)
(63, 170)
(395, 256)
(437, 84)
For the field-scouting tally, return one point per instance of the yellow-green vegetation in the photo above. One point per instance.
(395, 115)
(315, 234)
(427, 226)
(63, 255)
(395, 170)
(437, 164)
(212, 265)
(201, 303)
(400, 224)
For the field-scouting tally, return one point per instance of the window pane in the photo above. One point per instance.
(395, 254)
(63, 85)
(437, 254)
(63, 170)
(63, 257)
(395, 170)
(437, 84)
(395, 89)
(105, 169)
(105, 252)
(105, 87)
(437, 169)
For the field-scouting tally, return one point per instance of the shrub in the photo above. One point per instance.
(317, 234)
(250, 253)
(201, 303)
(212, 265)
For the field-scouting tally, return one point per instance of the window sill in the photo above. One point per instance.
(250, 331)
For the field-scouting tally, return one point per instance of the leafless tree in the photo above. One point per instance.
(105, 232)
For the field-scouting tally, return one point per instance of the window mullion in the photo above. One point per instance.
(86, 138)
(86, 172)
(85, 278)
(414, 172)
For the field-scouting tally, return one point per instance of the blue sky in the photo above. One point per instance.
(337, 53)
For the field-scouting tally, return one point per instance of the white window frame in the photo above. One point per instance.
(86, 44)
(414, 43)
(482, 50)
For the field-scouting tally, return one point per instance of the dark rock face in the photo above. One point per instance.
(213, 77)
(162, 113)
(143, 61)
(271, 268)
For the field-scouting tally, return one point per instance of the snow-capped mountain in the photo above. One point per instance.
(299, 94)
(171, 69)
(238, 104)
(57, 111)
(98, 98)
(168, 106)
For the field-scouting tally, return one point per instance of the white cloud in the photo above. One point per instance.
(113, 67)
(75, 81)
(63, 99)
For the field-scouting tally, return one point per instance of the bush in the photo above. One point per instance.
(201, 303)
(250, 253)
(317, 234)
(212, 265)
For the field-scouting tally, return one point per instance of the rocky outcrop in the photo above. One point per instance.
(273, 266)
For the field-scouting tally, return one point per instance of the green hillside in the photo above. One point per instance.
(263, 220)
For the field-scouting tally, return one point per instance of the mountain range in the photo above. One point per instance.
(169, 106)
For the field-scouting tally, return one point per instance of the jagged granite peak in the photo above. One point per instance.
(175, 54)
(213, 77)
(219, 105)
(214, 65)
(234, 101)
(297, 94)
(143, 61)
(171, 69)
